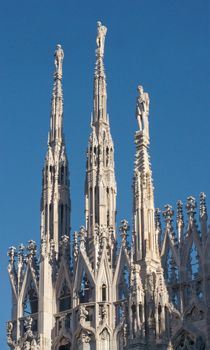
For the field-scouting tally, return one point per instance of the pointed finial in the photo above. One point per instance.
(157, 219)
(203, 209)
(168, 215)
(83, 235)
(59, 56)
(124, 228)
(190, 206)
(100, 39)
(12, 254)
(180, 216)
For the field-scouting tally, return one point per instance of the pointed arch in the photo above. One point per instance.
(122, 272)
(193, 265)
(104, 337)
(64, 298)
(171, 271)
(30, 301)
(29, 293)
(83, 265)
(104, 278)
(85, 290)
(123, 283)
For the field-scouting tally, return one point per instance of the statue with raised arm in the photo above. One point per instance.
(59, 56)
(142, 109)
(100, 39)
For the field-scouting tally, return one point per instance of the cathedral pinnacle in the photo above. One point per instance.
(142, 110)
(56, 122)
(100, 40)
(59, 56)
(100, 95)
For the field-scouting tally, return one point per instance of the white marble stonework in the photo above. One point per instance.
(152, 293)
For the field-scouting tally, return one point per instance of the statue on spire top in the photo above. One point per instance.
(100, 39)
(142, 109)
(59, 56)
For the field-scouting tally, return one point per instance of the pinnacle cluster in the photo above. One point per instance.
(105, 294)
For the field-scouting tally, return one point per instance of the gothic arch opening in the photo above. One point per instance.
(193, 263)
(123, 285)
(64, 299)
(30, 302)
(85, 291)
(103, 292)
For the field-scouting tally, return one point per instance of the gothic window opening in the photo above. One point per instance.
(103, 292)
(193, 263)
(133, 310)
(141, 312)
(123, 286)
(85, 289)
(46, 216)
(64, 298)
(61, 217)
(62, 173)
(159, 317)
(96, 204)
(30, 304)
(51, 219)
(51, 172)
(107, 156)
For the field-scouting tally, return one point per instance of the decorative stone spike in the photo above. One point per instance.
(157, 219)
(11, 253)
(82, 235)
(203, 209)
(124, 228)
(31, 249)
(190, 206)
(75, 246)
(64, 245)
(168, 215)
(180, 217)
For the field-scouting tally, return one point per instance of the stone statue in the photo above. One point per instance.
(100, 39)
(83, 313)
(142, 108)
(59, 56)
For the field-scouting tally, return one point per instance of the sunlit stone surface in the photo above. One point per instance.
(152, 293)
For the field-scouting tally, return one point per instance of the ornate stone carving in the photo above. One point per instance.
(100, 40)
(124, 228)
(83, 313)
(59, 56)
(142, 108)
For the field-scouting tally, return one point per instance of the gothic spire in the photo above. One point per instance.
(56, 120)
(100, 95)
(55, 192)
(100, 186)
(144, 222)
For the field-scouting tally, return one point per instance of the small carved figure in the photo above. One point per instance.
(100, 39)
(59, 56)
(83, 313)
(104, 313)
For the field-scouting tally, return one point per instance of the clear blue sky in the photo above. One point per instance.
(164, 45)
